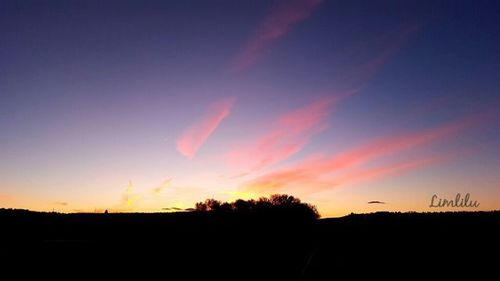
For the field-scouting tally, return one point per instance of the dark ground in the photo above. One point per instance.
(239, 246)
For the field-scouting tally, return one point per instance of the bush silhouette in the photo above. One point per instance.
(208, 205)
(277, 204)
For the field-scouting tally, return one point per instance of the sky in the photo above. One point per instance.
(148, 106)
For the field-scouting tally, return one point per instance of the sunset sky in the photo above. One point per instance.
(148, 105)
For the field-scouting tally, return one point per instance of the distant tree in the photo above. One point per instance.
(200, 207)
(212, 204)
(241, 205)
(263, 203)
(225, 207)
(278, 204)
(313, 210)
(283, 200)
(208, 205)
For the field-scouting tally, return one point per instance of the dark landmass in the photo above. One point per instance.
(249, 245)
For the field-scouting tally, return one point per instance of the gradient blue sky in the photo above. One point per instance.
(143, 105)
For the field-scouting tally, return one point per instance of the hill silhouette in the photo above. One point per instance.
(276, 238)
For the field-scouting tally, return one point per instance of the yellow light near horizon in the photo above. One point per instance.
(130, 201)
(245, 195)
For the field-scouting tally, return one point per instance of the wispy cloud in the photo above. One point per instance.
(165, 184)
(152, 199)
(129, 197)
(376, 202)
(61, 203)
(384, 171)
(288, 135)
(391, 48)
(177, 209)
(392, 144)
(275, 25)
(172, 209)
(322, 172)
(368, 60)
(193, 137)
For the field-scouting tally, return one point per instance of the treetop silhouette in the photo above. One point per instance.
(276, 204)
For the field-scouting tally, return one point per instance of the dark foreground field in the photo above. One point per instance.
(182, 246)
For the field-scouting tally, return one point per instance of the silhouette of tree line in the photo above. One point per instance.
(281, 204)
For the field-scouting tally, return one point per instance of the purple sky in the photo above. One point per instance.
(144, 105)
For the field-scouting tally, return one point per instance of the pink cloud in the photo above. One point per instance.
(275, 25)
(314, 173)
(311, 181)
(288, 135)
(389, 145)
(193, 137)
(381, 172)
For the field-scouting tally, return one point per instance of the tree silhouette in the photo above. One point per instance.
(284, 200)
(208, 205)
(243, 206)
(277, 204)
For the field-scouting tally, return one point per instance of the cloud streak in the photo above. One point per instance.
(325, 172)
(190, 141)
(61, 203)
(176, 209)
(279, 22)
(288, 134)
(129, 197)
(366, 61)
(384, 171)
(165, 184)
(376, 202)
